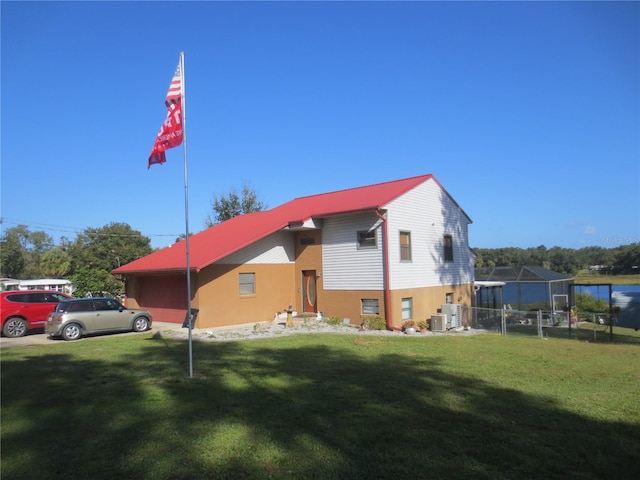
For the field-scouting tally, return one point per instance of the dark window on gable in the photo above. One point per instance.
(307, 241)
(448, 248)
(405, 246)
(367, 239)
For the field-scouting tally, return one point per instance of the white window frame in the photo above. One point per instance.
(407, 308)
(247, 283)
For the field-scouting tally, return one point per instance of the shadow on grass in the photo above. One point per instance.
(294, 409)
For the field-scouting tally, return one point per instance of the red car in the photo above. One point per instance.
(24, 310)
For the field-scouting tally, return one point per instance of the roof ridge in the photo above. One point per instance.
(426, 176)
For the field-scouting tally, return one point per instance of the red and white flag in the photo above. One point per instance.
(171, 133)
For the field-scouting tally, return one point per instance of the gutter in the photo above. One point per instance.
(385, 267)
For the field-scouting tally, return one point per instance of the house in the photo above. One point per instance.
(398, 250)
(57, 284)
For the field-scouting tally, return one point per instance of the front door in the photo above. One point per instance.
(309, 291)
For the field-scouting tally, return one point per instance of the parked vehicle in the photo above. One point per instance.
(73, 319)
(24, 310)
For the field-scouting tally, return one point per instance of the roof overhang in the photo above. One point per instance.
(488, 283)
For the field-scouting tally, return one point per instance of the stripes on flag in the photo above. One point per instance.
(175, 88)
(171, 133)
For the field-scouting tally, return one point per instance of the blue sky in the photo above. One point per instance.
(527, 113)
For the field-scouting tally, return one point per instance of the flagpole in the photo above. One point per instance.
(186, 211)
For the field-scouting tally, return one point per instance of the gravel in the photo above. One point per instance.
(278, 328)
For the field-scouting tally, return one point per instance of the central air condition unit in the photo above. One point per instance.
(438, 323)
(453, 311)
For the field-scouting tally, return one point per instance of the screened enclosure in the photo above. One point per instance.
(525, 288)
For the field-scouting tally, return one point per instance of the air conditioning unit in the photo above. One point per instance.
(438, 323)
(453, 311)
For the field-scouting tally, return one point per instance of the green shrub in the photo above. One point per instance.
(375, 323)
(333, 320)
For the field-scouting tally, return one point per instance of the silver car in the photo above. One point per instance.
(75, 318)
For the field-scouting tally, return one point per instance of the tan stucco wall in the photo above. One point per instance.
(221, 304)
(427, 301)
(348, 304)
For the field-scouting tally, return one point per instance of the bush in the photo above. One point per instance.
(375, 323)
(333, 320)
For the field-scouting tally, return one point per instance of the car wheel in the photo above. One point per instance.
(15, 327)
(72, 332)
(140, 324)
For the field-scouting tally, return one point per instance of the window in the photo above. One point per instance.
(407, 308)
(448, 298)
(81, 306)
(448, 248)
(370, 306)
(307, 241)
(405, 246)
(367, 239)
(113, 304)
(247, 283)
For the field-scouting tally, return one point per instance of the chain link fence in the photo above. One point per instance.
(587, 326)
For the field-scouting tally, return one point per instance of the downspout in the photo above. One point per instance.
(385, 267)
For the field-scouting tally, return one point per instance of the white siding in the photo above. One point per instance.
(344, 266)
(276, 248)
(428, 213)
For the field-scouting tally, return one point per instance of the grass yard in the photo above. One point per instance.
(585, 277)
(321, 407)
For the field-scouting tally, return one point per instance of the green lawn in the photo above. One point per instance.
(584, 277)
(320, 407)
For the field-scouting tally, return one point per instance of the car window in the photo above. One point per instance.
(101, 304)
(113, 304)
(80, 307)
(18, 297)
(61, 307)
(54, 297)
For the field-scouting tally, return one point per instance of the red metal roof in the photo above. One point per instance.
(221, 240)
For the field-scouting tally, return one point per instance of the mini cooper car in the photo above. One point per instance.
(24, 310)
(73, 319)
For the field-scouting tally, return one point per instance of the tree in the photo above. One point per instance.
(55, 262)
(108, 247)
(24, 249)
(628, 258)
(11, 257)
(234, 204)
(97, 251)
(88, 279)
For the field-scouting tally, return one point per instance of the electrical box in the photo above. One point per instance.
(453, 311)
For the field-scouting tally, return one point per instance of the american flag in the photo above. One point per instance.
(171, 133)
(175, 89)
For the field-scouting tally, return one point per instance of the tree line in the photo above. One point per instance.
(624, 259)
(86, 260)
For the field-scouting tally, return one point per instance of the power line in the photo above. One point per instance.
(59, 228)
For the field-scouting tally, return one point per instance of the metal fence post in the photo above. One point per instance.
(539, 323)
